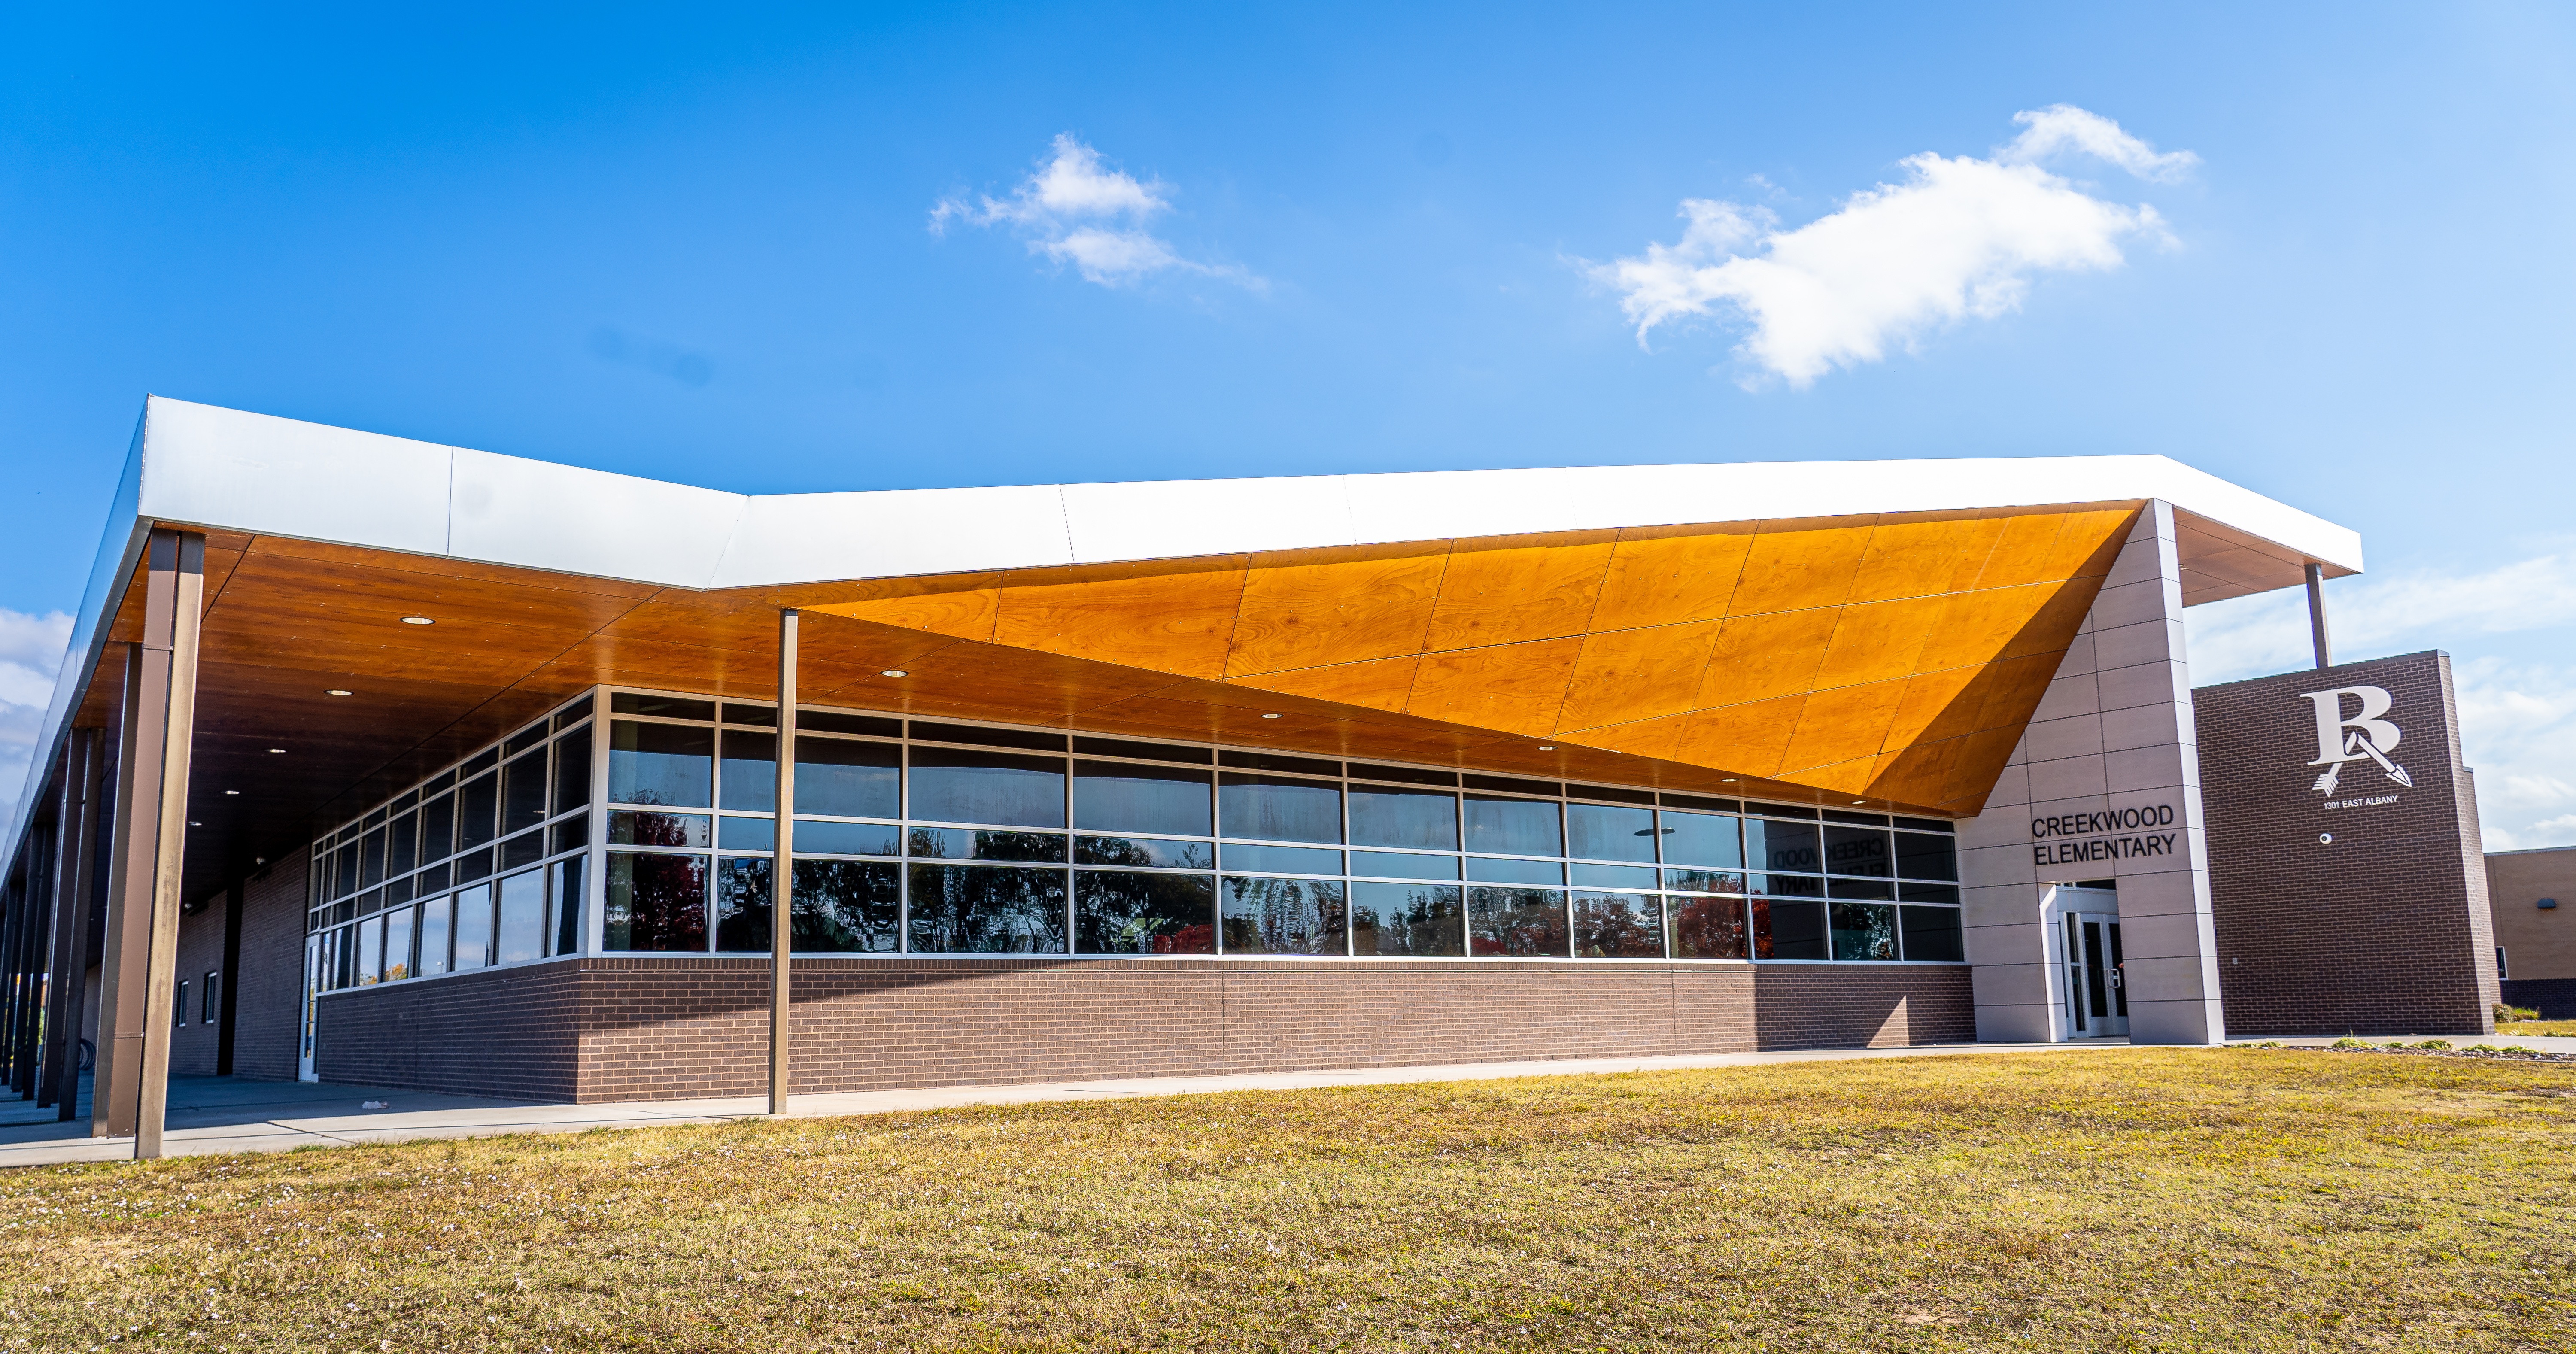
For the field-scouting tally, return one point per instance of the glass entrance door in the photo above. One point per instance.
(2096, 986)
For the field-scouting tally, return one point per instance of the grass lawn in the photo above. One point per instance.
(2537, 1027)
(2106, 1200)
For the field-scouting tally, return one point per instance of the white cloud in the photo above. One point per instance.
(1958, 238)
(1077, 210)
(31, 655)
(2517, 720)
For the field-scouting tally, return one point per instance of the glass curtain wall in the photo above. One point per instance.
(483, 864)
(944, 838)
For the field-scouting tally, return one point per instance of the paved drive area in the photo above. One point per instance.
(227, 1114)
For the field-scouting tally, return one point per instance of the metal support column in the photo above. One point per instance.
(35, 950)
(2317, 615)
(151, 837)
(76, 826)
(782, 873)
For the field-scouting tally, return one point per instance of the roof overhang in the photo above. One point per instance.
(551, 555)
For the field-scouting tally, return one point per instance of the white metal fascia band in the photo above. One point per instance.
(250, 472)
(207, 466)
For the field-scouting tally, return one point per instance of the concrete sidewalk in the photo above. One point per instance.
(227, 1114)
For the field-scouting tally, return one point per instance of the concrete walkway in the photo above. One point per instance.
(227, 1114)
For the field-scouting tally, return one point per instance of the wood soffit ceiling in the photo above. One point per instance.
(1891, 659)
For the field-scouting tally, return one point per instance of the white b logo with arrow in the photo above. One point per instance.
(2364, 734)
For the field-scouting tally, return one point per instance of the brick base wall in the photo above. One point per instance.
(265, 1011)
(2554, 998)
(641, 1029)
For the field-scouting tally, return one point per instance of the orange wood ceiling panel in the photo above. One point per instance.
(1894, 661)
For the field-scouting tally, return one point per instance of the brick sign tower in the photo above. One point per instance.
(2346, 876)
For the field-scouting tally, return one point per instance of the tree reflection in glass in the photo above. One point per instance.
(1529, 923)
(1618, 926)
(1284, 916)
(1709, 928)
(969, 909)
(1408, 919)
(1116, 912)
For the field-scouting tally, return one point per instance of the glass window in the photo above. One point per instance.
(179, 1006)
(1144, 851)
(1492, 871)
(569, 834)
(1284, 916)
(527, 848)
(848, 779)
(987, 909)
(1857, 850)
(1386, 816)
(832, 721)
(1928, 893)
(1864, 931)
(742, 903)
(565, 898)
(1410, 919)
(434, 934)
(473, 927)
(398, 944)
(1281, 859)
(1931, 933)
(1614, 876)
(523, 792)
(1117, 912)
(1924, 855)
(478, 807)
(958, 785)
(1706, 839)
(371, 859)
(1514, 827)
(628, 828)
(371, 956)
(749, 778)
(1770, 845)
(1124, 797)
(1618, 926)
(847, 906)
(572, 770)
(574, 713)
(211, 1002)
(656, 903)
(1784, 885)
(848, 839)
(1876, 890)
(522, 932)
(672, 764)
(1529, 923)
(1786, 928)
(403, 841)
(747, 834)
(1276, 808)
(1607, 833)
(956, 843)
(438, 829)
(345, 864)
(1709, 928)
(1403, 865)
(668, 707)
(1704, 881)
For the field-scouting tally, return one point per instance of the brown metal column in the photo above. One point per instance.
(76, 826)
(782, 874)
(151, 837)
(35, 947)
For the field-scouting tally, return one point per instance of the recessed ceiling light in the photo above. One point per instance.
(1860, 801)
(1270, 716)
(1730, 780)
(194, 823)
(418, 620)
(1547, 747)
(335, 691)
(277, 749)
(232, 792)
(894, 672)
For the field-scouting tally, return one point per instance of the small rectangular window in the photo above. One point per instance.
(179, 1008)
(661, 707)
(210, 1004)
(565, 898)
(572, 770)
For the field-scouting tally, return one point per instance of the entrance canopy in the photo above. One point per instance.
(1840, 632)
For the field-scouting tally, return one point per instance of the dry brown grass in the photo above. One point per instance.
(2534, 1027)
(2103, 1200)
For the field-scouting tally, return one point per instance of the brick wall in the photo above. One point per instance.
(201, 951)
(2539, 943)
(272, 971)
(629, 1029)
(2383, 930)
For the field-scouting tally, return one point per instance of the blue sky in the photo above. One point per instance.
(708, 246)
